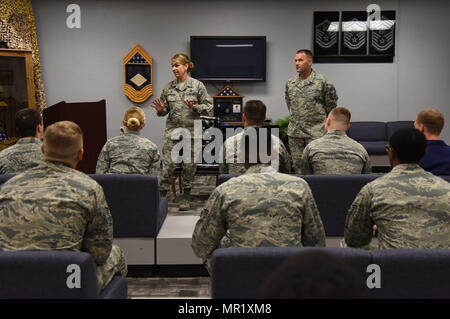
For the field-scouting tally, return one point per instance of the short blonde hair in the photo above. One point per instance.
(133, 118)
(183, 59)
(63, 140)
(341, 114)
(432, 119)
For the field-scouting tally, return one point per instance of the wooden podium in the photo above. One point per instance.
(91, 117)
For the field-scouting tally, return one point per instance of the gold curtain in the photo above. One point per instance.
(18, 30)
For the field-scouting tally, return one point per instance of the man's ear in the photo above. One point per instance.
(80, 154)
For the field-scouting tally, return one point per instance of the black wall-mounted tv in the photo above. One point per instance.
(229, 58)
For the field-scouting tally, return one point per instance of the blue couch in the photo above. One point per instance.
(44, 275)
(334, 195)
(134, 203)
(237, 273)
(375, 135)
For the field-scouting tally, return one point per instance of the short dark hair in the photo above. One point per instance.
(26, 122)
(314, 274)
(306, 51)
(255, 110)
(409, 144)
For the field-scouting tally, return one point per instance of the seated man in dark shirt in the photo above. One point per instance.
(437, 158)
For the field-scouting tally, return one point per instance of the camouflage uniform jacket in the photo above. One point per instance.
(411, 208)
(259, 209)
(232, 162)
(309, 101)
(180, 115)
(335, 153)
(128, 153)
(25, 154)
(54, 207)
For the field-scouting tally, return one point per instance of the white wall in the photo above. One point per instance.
(86, 64)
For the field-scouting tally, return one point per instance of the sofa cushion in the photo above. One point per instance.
(134, 202)
(334, 195)
(413, 273)
(391, 127)
(43, 275)
(367, 131)
(375, 147)
(237, 273)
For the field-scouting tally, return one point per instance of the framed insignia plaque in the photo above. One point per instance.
(382, 34)
(354, 33)
(354, 36)
(326, 33)
(138, 75)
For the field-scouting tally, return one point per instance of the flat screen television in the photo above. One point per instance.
(229, 58)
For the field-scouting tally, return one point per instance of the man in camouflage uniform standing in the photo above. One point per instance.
(309, 98)
(55, 207)
(254, 116)
(409, 206)
(335, 152)
(260, 208)
(184, 100)
(26, 153)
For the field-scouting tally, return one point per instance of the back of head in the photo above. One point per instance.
(409, 145)
(340, 115)
(314, 274)
(256, 146)
(26, 122)
(183, 58)
(134, 117)
(62, 141)
(255, 111)
(432, 119)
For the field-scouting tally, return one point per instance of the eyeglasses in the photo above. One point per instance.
(387, 147)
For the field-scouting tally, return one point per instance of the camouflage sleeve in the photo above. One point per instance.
(330, 97)
(305, 165)
(163, 98)
(209, 229)
(103, 161)
(99, 234)
(204, 105)
(358, 224)
(285, 159)
(313, 233)
(367, 169)
(154, 160)
(286, 96)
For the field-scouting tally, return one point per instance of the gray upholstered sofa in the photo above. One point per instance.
(47, 275)
(334, 195)
(375, 135)
(404, 273)
(138, 213)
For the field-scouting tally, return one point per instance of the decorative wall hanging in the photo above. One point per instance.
(351, 37)
(18, 32)
(138, 75)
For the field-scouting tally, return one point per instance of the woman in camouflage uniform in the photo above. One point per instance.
(184, 100)
(129, 153)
